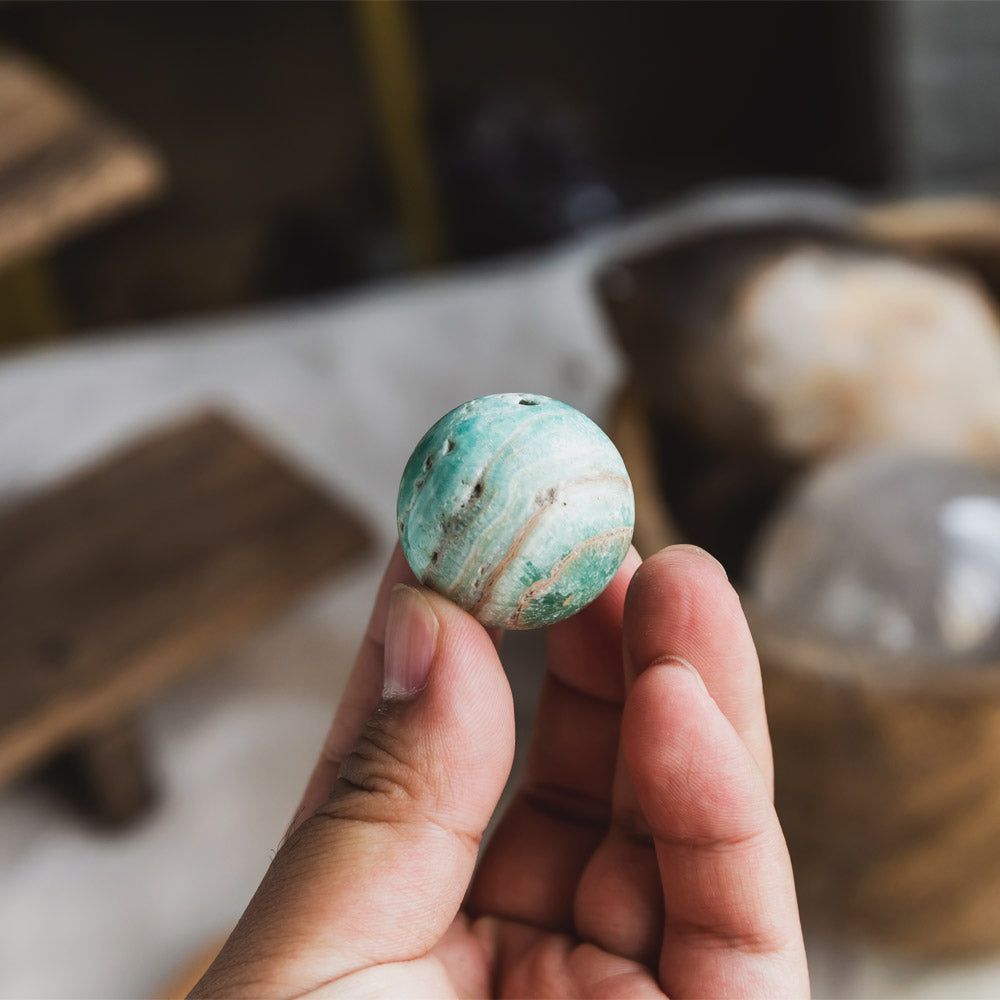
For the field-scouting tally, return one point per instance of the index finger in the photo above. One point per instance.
(681, 604)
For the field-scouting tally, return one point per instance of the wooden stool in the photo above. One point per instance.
(126, 576)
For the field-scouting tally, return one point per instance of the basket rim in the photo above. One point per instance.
(779, 648)
(823, 658)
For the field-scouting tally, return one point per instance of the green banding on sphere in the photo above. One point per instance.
(517, 507)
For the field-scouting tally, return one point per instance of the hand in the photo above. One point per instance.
(640, 857)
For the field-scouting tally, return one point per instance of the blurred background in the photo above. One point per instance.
(297, 137)
(248, 252)
(311, 147)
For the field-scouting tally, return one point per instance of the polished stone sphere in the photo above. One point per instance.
(517, 507)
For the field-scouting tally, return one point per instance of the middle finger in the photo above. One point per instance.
(561, 808)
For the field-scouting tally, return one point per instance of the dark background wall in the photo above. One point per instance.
(541, 119)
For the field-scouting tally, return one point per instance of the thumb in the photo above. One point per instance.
(378, 873)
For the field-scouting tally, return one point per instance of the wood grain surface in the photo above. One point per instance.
(122, 578)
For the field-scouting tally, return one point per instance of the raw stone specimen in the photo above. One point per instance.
(518, 508)
(757, 349)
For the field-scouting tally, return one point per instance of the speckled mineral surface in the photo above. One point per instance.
(517, 507)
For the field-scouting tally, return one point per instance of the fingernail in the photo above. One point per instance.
(697, 550)
(411, 632)
(676, 662)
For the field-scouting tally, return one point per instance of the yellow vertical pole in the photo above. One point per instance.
(391, 59)
(29, 305)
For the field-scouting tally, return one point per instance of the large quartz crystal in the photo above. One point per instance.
(893, 551)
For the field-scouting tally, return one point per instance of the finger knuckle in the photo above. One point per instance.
(378, 777)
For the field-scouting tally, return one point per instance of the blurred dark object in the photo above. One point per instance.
(521, 173)
(680, 93)
(137, 570)
(107, 774)
(306, 254)
(885, 780)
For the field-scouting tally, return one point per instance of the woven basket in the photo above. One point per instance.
(887, 785)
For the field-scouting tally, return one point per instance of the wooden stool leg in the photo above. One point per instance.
(108, 771)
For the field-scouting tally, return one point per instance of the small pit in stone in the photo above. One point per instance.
(527, 402)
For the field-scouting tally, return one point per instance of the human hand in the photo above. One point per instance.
(640, 856)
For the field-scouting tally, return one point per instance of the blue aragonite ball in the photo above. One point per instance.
(517, 507)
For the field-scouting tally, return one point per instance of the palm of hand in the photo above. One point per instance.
(535, 963)
(640, 855)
